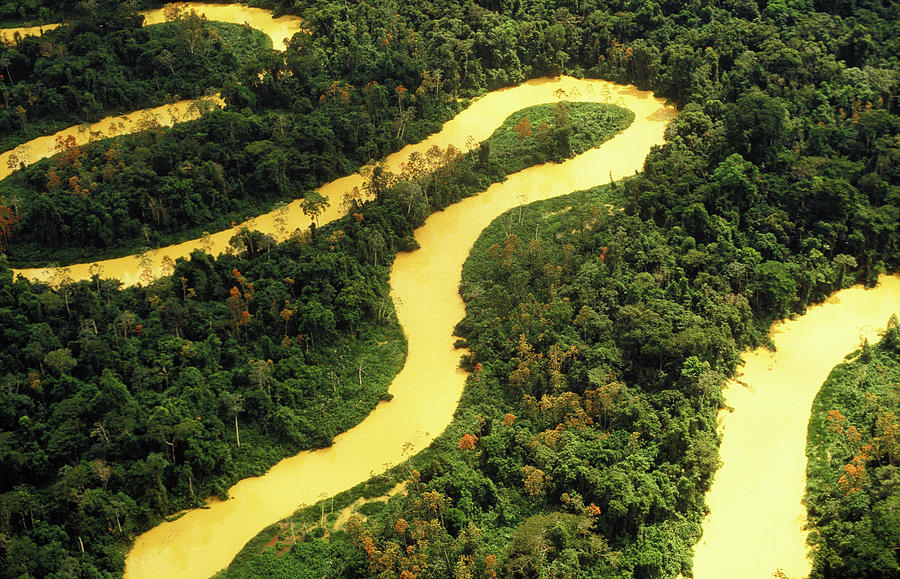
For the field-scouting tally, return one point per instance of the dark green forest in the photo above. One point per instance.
(106, 195)
(854, 453)
(783, 88)
(585, 438)
(27, 12)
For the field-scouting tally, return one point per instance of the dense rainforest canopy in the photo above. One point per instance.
(40, 11)
(780, 182)
(327, 106)
(296, 341)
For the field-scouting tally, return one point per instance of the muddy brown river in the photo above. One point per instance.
(278, 29)
(9, 34)
(756, 520)
(424, 288)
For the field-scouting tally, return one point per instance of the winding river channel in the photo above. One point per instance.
(278, 29)
(9, 34)
(765, 435)
(756, 519)
(424, 288)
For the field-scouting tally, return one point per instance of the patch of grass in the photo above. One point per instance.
(372, 508)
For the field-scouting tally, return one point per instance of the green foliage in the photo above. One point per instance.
(853, 449)
(275, 348)
(554, 132)
(166, 394)
(14, 12)
(591, 336)
(779, 184)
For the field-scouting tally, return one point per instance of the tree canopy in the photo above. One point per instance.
(586, 436)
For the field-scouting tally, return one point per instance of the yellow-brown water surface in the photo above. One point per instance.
(163, 116)
(9, 34)
(424, 287)
(278, 29)
(756, 519)
(477, 122)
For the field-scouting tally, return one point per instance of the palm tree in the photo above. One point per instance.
(235, 404)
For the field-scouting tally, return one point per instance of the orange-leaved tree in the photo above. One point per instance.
(8, 219)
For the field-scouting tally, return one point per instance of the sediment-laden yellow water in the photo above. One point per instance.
(278, 29)
(756, 519)
(424, 288)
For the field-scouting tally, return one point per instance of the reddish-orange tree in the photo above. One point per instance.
(8, 220)
(467, 442)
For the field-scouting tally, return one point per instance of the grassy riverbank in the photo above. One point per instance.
(853, 449)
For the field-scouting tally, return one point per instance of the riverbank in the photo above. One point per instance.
(854, 451)
(278, 29)
(469, 124)
(756, 521)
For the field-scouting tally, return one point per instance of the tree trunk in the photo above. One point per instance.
(237, 433)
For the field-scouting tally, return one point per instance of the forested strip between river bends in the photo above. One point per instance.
(786, 87)
(779, 184)
(586, 437)
(123, 406)
(104, 61)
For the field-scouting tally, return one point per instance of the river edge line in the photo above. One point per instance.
(167, 110)
(765, 432)
(277, 29)
(559, 93)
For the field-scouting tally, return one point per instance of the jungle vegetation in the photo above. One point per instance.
(852, 477)
(590, 392)
(126, 405)
(103, 61)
